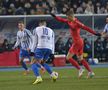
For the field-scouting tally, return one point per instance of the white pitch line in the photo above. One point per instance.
(100, 76)
(61, 77)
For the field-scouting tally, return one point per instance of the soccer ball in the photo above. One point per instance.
(95, 61)
(90, 61)
(55, 74)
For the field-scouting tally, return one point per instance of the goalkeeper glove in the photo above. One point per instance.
(53, 15)
(98, 34)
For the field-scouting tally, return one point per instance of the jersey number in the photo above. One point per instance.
(45, 31)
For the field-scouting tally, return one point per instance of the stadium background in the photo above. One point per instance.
(91, 12)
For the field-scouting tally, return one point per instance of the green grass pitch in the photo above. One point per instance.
(15, 80)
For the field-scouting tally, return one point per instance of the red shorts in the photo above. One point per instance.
(77, 47)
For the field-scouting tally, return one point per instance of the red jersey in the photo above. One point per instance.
(75, 27)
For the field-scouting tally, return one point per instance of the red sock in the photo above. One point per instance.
(86, 65)
(74, 63)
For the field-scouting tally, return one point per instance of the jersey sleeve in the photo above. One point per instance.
(81, 25)
(17, 41)
(61, 19)
(29, 33)
(105, 28)
(34, 41)
(30, 38)
(53, 43)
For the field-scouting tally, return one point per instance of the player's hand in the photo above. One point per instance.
(104, 35)
(13, 48)
(52, 14)
(52, 57)
(31, 53)
(98, 34)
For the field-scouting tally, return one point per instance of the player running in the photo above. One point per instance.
(43, 40)
(78, 44)
(24, 40)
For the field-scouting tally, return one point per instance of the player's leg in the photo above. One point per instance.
(47, 52)
(34, 65)
(37, 64)
(50, 71)
(83, 61)
(87, 66)
(36, 72)
(75, 64)
(70, 59)
(40, 66)
(80, 46)
(47, 67)
(21, 59)
(24, 66)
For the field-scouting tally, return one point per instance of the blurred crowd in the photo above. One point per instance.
(5, 45)
(100, 48)
(37, 7)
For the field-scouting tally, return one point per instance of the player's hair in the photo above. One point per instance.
(107, 16)
(70, 12)
(42, 22)
(21, 22)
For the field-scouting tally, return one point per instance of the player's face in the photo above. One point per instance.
(106, 20)
(21, 26)
(43, 23)
(70, 18)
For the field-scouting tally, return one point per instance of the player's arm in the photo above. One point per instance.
(34, 41)
(53, 44)
(59, 18)
(17, 42)
(87, 28)
(30, 38)
(104, 33)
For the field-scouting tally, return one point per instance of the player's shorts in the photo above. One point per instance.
(77, 48)
(24, 54)
(42, 53)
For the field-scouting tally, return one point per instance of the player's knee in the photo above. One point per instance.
(21, 61)
(67, 58)
(42, 62)
(33, 61)
(69, 55)
(80, 58)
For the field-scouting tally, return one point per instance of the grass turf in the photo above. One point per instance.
(15, 80)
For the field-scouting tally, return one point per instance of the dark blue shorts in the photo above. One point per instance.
(42, 53)
(24, 54)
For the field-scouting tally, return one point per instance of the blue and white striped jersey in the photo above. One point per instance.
(43, 37)
(24, 39)
(105, 28)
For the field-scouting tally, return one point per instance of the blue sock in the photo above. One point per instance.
(35, 69)
(47, 67)
(24, 65)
